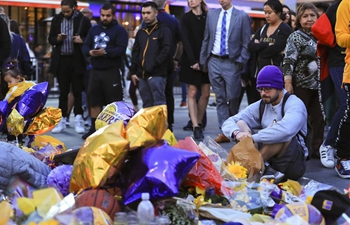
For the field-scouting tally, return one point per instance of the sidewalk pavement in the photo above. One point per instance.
(315, 170)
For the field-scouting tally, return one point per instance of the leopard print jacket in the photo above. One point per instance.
(301, 60)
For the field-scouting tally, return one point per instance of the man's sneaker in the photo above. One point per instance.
(79, 124)
(272, 174)
(342, 167)
(60, 126)
(327, 155)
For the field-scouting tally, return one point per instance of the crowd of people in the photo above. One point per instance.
(286, 68)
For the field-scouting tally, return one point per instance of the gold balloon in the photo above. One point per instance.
(45, 121)
(147, 126)
(104, 150)
(15, 123)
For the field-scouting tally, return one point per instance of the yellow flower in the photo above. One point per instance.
(237, 170)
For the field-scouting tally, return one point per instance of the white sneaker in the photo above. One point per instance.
(60, 126)
(67, 122)
(79, 124)
(327, 155)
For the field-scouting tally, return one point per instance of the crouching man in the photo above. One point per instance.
(281, 121)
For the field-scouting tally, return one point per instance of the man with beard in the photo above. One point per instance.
(280, 120)
(106, 45)
(67, 33)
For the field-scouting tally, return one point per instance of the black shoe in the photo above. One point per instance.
(198, 133)
(272, 174)
(201, 126)
(188, 127)
(213, 104)
(86, 135)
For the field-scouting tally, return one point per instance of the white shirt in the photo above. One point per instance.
(217, 41)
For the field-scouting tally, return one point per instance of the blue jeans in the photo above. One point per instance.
(337, 77)
(152, 91)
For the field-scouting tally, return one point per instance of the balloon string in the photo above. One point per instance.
(17, 144)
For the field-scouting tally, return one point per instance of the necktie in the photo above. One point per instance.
(223, 35)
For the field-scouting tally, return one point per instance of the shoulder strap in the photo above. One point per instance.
(261, 110)
(285, 98)
(80, 25)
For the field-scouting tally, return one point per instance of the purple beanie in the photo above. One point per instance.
(270, 77)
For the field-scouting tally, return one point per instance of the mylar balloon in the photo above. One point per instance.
(44, 121)
(114, 112)
(157, 170)
(15, 123)
(33, 100)
(3, 113)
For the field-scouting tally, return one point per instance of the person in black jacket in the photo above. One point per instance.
(150, 56)
(106, 44)
(5, 51)
(68, 31)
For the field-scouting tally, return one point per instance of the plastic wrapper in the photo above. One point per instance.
(215, 147)
(247, 200)
(62, 206)
(17, 186)
(41, 202)
(250, 158)
(158, 170)
(179, 211)
(223, 214)
(44, 121)
(147, 126)
(33, 100)
(91, 215)
(217, 162)
(203, 174)
(15, 123)
(310, 189)
(43, 140)
(113, 112)
(103, 151)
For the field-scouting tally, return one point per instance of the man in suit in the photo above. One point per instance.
(224, 53)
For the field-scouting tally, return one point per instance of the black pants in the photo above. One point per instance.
(343, 140)
(67, 78)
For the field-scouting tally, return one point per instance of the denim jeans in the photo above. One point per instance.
(152, 91)
(337, 77)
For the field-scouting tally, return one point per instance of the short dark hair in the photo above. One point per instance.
(70, 3)
(322, 5)
(108, 6)
(150, 4)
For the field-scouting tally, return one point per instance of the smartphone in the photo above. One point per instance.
(64, 35)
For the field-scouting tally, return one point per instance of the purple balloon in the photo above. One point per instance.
(158, 170)
(33, 100)
(3, 113)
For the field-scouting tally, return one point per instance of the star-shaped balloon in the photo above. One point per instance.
(33, 100)
(157, 170)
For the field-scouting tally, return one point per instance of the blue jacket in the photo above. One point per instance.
(20, 52)
(113, 38)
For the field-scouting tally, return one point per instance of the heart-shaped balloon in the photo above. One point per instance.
(33, 100)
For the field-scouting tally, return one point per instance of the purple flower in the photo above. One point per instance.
(59, 178)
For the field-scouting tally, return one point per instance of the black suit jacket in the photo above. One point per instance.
(79, 58)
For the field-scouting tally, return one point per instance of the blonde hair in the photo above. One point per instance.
(204, 6)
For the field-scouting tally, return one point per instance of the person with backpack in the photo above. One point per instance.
(277, 125)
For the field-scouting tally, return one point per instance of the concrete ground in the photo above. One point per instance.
(315, 170)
